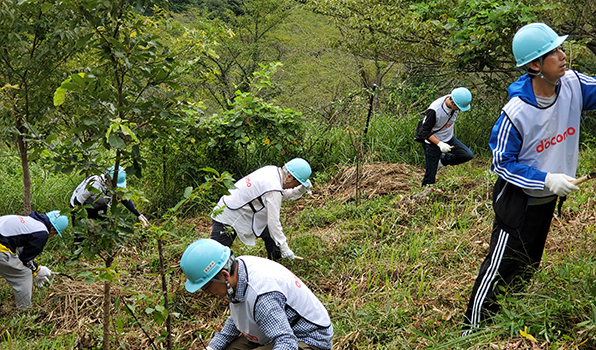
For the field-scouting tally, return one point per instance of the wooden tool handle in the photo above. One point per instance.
(580, 180)
(584, 178)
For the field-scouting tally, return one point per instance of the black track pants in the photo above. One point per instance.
(511, 261)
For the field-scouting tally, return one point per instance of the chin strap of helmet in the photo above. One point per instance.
(286, 174)
(542, 75)
(229, 266)
(230, 292)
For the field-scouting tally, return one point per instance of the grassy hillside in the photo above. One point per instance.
(393, 264)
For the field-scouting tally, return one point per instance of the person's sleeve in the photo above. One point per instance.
(273, 204)
(226, 336)
(271, 317)
(128, 204)
(429, 123)
(588, 90)
(83, 193)
(294, 193)
(33, 248)
(505, 142)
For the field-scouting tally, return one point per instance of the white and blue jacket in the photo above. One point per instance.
(528, 142)
(26, 234)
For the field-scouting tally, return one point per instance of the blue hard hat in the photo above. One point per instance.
(121, 176)
(534, 40)
(60, 222)
(201, 261)
(300, 170)
(462, 98)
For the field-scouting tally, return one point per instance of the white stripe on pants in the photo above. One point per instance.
(488, 280)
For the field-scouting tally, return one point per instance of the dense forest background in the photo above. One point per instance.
(190, 95)
(167, 89)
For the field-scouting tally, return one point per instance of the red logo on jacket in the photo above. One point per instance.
(252, 338)
(551, 141)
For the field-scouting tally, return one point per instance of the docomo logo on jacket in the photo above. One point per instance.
(248, 184)
(252, 338)
(546, 143)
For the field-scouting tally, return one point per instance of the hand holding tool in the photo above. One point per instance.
(41, 276)
(560, 184)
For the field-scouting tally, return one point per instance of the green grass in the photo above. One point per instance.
(394, 272)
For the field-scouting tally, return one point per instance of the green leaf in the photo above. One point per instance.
(59, 96)
(188, 192)
(82, 41)
(51, 137)
(157, 317)
(116, 142)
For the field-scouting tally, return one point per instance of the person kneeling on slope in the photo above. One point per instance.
(270, 307)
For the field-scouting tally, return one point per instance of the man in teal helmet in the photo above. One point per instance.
(436, 133)
(252, 208)
(270, 307)
(535, 147)
(96, 204)
(22, 239)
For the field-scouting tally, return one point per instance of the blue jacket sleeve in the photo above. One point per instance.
(33, 247)
(505, 143)
(588, 91)
(128, 204)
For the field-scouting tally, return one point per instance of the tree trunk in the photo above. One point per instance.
(107, 307)
(26, 176)
(164, 286)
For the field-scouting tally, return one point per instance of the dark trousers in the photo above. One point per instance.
(226, 235)
(511, 262)
(432, 154)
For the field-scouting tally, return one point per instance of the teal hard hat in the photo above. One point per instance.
(60, 222)
(121, 176)
(462, 98)
(534, 40)
(201, 261)
(300, 170)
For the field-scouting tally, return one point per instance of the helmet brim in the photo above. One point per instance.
(462, 108)
(56, 228)
(192, 286)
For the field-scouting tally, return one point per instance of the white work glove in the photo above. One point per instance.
(41, 278)
(560, 184)
(286, 252)
(309, 187)
(445, 148)
(144, 221)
